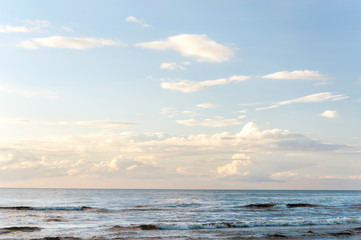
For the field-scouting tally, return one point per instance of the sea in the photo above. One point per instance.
(56, 214)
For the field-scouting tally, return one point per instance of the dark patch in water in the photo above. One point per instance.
(27, 208)
(260, 206)
(341, 234)
(356, 206)
(298, 205)
(276, 236)
(140, 227)
(141, 210)
(60, 238)
(18, 229)
(16, 208)
(148, 227)
(55, 220)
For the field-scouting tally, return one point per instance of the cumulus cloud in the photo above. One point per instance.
(28, 93)
(210, 122)
(200, 47)
(187, 86)
(29, 26)
(298, 74)
(235, 168)
(278, 139)
(313, 98)
(67, 42)
(135, 20)
(329, 114)
(94, 123)
(147, 155)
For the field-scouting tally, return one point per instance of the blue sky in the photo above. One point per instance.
(180, 94)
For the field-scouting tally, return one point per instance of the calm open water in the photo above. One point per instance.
(178, 214)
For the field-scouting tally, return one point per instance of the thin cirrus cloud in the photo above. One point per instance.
(174, 65)
(67, 42)
(313, 98)
(135, 20)
(200, 47)
(210, 122)
(94, 123)
(27, 27)
(187, 86)
(28, 93)
(207, 105)
(298, 74)
(329, 114)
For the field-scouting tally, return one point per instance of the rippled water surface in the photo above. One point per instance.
(176, 214)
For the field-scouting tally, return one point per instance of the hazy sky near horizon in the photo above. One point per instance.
(180, 94)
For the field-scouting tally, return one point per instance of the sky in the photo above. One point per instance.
(234, 94)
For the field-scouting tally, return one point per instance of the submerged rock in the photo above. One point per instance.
(276, 236)
(297, 205)
(18, 229)
(260, 206)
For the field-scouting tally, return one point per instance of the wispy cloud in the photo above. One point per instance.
(28, 93)
(135, 20)
(93, 123)
(174, 65)
(196, 46)
(190, 86)
(210, 122)
(313, 98)
(67, 42)
(283, 176)
(298, 74)
(329, 114)
(207, 105)
(169, 112)
(28, 26)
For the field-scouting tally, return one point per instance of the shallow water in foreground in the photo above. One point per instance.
(178, 214)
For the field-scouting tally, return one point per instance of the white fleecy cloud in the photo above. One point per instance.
(235, 168)
(207, 106)
(135, 20)
(313, 98)
(195, 46)
(210, 122)
(329, 114)
(187, 86)
(28, 93)
(298, 74)
(67, 42)
(93, 123)
(174, 65)
(280, 139)
(148, 155)
(28, 26)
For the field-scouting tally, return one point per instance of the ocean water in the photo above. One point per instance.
(178, 214)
